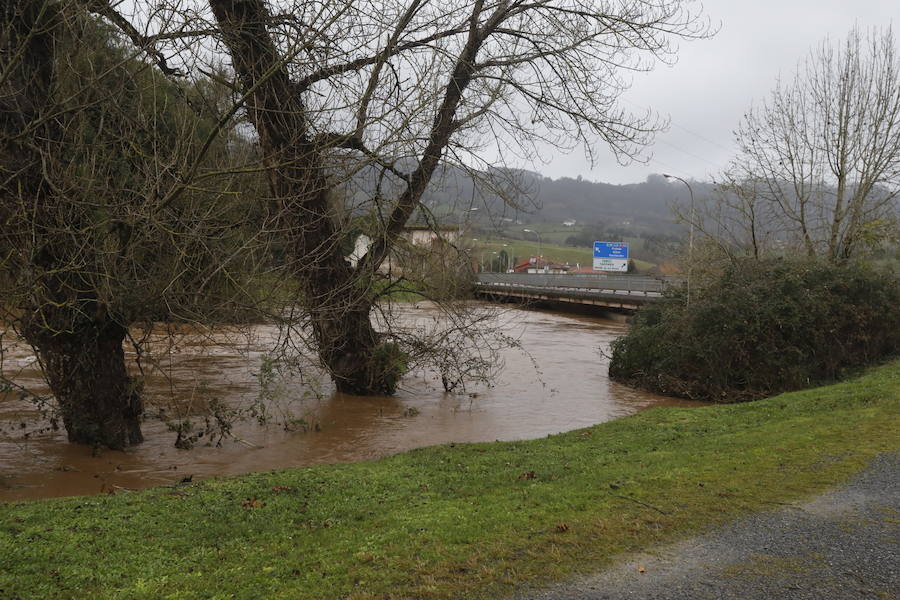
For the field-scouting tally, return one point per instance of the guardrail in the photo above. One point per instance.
(617, 284)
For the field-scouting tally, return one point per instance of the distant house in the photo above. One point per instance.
(422, 237)
(539, 264)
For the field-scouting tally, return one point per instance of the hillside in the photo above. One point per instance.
(516, 198)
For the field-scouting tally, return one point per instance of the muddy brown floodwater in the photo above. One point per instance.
(563, 386)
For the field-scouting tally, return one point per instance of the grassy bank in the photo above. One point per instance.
(467, 520)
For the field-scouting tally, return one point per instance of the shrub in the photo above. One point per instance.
(391, 364)
(763, 327)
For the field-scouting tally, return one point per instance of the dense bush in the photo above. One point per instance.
(763, 327)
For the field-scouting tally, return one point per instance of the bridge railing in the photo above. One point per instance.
(640, 284)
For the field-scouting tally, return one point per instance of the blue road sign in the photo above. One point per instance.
(611, 250)
(611, 256)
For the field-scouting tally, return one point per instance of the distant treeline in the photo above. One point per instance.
(635, 209)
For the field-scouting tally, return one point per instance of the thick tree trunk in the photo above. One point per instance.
(338, 304)
(348, 346)
(335, 294)
(347, 343)
(85, 369)
(79, 346)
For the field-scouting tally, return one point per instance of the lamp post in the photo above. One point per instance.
(483, 254)
(540, 241)
(464, 218)
(691, 235)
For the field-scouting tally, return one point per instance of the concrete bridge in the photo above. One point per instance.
(613, 292)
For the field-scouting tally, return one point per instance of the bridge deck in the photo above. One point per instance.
(625, 293)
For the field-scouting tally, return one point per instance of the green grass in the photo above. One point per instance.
(455, 521)
(558, 234)
(522, 249)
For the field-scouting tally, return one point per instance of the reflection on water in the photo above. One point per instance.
(561, 384)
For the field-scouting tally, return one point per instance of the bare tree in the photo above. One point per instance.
(330, 92)
(92, 240)
(819, 162)
(334, 88)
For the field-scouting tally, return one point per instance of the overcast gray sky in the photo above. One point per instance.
(716, 80)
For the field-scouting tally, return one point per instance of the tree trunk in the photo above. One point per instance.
(337, 297)
(85, 368)
(334, 294)
(347, 344)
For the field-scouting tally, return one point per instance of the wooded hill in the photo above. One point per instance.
(456, 196)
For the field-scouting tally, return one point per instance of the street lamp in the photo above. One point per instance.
(482, 261)
(691, 238)
(540, 241)
(464, 218)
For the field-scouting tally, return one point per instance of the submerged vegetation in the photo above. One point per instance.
(459, 520)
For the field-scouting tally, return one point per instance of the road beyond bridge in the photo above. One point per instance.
(617, 293)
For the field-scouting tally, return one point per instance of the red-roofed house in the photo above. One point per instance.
(539, 264)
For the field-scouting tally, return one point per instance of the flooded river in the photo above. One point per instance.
(557, 381)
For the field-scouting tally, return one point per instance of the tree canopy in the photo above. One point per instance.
(819, 161)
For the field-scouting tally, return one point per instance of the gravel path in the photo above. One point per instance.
(844, 545)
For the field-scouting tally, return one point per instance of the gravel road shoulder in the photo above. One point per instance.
(844, 544)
